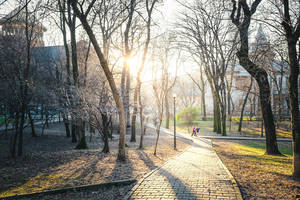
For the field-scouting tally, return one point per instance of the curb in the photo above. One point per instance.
(72, 189)
(232, 179)
(139, 182)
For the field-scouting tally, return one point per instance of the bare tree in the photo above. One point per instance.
(241, 16)
(205, 37)
(149, 5)
(82, 15)
(290, 19)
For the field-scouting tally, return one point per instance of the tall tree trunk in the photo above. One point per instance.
(81, 133)
(21, 130)
(203, 103)
(292, 34)
(16, 135)
(265, 99)
(167, 110)
(74, 130)
(217, 116)
(67, 124)
(229, 109)
(31, 123)
(142, 122)
(157, 137)
(244, 105)
(105, 123)
(294, 105)
(133, 118)
(127, 99)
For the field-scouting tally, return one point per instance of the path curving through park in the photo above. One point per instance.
(197, 173)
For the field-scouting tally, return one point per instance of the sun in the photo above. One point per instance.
(134, 64)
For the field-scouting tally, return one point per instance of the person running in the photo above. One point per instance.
(194, 132)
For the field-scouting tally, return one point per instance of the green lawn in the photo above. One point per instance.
(205, 126)
(261, 146)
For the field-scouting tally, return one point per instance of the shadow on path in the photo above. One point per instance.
(180, 189)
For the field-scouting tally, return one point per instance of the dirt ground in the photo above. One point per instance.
(50, 162)
(259, 176)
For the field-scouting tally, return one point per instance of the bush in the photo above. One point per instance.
(188, 115)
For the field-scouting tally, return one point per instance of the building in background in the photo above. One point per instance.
(13, 27)
(261, 53)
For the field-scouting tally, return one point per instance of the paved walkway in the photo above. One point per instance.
(197, 173)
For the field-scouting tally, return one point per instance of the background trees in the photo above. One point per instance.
(205, 37)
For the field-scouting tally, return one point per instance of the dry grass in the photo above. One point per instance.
(259, 176)
(40, 170)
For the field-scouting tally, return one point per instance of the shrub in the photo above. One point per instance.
(188, 115)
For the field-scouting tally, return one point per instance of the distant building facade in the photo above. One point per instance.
(13, 27)
(261, 53)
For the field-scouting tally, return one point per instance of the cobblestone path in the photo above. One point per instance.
(197, 173)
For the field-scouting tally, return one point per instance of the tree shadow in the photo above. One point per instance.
(145, 158)
(180, 189)
(122, 170)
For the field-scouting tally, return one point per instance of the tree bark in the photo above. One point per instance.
(244, 105)
(16, 135)
(67, 124)
(21, 130)
(256, 72)
(133, 119)
(105, 123)
(142, 122)
(157, 137)
(74, 130)
(217, 116)
(81, 133)
(167, 110)
(292, 34)
(31, 124)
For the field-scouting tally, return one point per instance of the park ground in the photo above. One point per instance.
(50, 162)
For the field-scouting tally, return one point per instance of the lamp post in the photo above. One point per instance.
(174, 96)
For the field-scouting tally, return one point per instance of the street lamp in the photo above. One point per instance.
(174, 96)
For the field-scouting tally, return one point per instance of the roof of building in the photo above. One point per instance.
(19, 15)
(260, 37)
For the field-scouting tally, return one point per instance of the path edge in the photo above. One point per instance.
(232, 179)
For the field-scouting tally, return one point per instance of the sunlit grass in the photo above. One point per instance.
(38, 183)
(254, 152)
(59, 177)
(279, 132)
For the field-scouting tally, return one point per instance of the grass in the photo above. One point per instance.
(250, 128)
(279, 132)
(260, 147)
(205, 126)
(260, 176)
